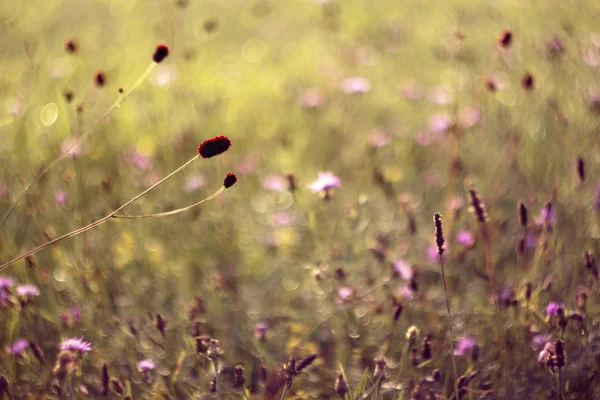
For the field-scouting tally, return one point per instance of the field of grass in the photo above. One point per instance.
(318, 274)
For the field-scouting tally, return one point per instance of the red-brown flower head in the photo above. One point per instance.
(214, 146)
(161, 52)
(505, 38)
(100, 78)
(71, 46)
(230, 180)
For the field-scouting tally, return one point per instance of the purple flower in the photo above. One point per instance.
(61, 198)
(145, 365)
(325, 182)
(75, 313)
(261, 329)
(547, 216)
(466, 238)
(597, 202)
(345, 293)
(282, 218)
(76, 344)
(28, 290)
(539, 340)
(403, 269)
(464, 345)
(18, 346)
(6, 282)
(356, 84)
(552, 309)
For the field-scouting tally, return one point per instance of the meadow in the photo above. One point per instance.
(324, 135)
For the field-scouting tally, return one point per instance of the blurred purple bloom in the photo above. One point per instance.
(275, 183)
(531, 240)
(547, 216)
(597, 202)
(454, 203)
(325, 182)
(75, 313)
(432, 253)
(345, 293)
(379, 138)
(311, 98)
(552, 308)
(145, 365)
(282, 218)
(76, 344)
(261, 329)
(194, 182)
(403, 269)
(245, 166)
(356, 84)
(466, 238)
(28, 290)
(439, 123)
(6, 282)
(61, 198)
(406, 293)
(464, 345)
(539, 340)
(139, 160)
(18, 346)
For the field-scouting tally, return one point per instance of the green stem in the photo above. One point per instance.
(96, 223)
(116, 105)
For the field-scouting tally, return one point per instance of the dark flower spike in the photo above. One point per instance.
(505, 39)
(71, 46)
(522, 215)
(581, 169)
(100, 78)
(527, 81)
(439, 233)
(229, 180)
(161, 52)
(214, 146)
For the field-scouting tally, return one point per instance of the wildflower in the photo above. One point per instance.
(379, 138)
(18, 346)
(477, 206)
(325, 182)
(539, 340)
(229, 181)
(145, 365)
(194, 182)
(345, 293)
(214, 146)
(160, 53)
(466, 238)
(465, 345)
(6, 282)
(76, 344)
(439, 233)
(61, 198)
(547, 216)
(470, 116)
(553, 308)
(260, 330)
(311, 98)
(356, 85)
(403, 269)
(527, 81)
(439, 123)
(28, 290)
(440, 95)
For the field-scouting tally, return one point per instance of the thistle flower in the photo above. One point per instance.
(145, 365)
(6, 282)
(230, 180)
(18, 346)
(464, 345)
(325, 182)
(553, 308)
(28, 290)
(76, 344)
(214, 146)
(161, 52)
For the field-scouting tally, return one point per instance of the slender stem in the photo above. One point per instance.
(116, 105)
(96, 223)
(173, 212)
(287, 386)
(450, 329)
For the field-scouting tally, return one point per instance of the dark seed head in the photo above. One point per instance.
(505, 38)
(522, 215)
(121, 90)
(68, 96)
(230, 180)
(477, 206)
(214, 146)
(558, 353)
(160, 53)
(306, 362)
(341, 387)
(105, 380)
(439, 233)
(100, 78)
(527, 81)
(580, 169)
(71, 46)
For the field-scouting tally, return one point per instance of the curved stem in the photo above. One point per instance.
(95, 223)
(116, 105)
(173, 212)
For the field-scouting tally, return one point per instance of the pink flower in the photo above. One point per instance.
(439, 122)
(470, 116)
(345, 293)
(403, 269)
(325, 182)
(311, 98)
(61, 198)
(194, 182)
(439, 95)
(356, 85)
(275, 183)
(379, 138)
(466, 238)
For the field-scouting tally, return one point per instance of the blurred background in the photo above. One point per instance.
(406, 103)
